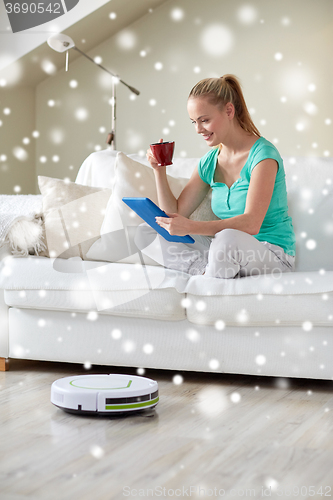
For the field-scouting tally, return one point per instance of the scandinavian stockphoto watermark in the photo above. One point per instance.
(226, 262)
(218, 492)
(25, 14)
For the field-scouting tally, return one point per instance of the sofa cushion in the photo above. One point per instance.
(73, 216)
(76, 285)
(310, 201)
(304, 298)
(129, 303)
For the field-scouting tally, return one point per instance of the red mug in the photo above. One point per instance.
(163, 152)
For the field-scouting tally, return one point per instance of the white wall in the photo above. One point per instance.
(290, 97)
(17, 159)
(19, 79)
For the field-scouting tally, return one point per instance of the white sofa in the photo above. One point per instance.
(59, 310)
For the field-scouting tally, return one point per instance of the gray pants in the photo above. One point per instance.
(229, 254)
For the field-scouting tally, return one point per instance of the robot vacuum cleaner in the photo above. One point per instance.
(104, 394)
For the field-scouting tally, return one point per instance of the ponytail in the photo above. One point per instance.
(226, 89)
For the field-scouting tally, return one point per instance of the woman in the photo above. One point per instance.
(254, 233)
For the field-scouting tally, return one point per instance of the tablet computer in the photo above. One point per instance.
(147, 210)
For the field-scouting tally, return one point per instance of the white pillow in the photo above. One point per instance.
(98, 168)
(182, 167)
(26, 236)
(133, 179)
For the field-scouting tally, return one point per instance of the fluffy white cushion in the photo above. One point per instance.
(118, 229)
(73, 216)
(21, 223)
(26, 236)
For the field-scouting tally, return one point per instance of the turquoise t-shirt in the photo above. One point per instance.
(277, 227)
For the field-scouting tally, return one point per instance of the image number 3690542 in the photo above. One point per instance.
(24, 15)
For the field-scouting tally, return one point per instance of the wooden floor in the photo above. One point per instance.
(209, 435)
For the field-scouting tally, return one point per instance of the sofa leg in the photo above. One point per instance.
(4, 364)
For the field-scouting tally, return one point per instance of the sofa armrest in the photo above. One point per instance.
(4, 330)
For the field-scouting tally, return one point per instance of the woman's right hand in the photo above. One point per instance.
(151, 158)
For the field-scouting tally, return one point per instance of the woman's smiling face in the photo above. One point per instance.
(211, 122)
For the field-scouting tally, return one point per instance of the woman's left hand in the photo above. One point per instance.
(175, 224)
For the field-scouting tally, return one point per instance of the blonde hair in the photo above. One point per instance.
(226, 89)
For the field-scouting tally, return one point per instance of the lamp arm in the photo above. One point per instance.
(132, 89)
